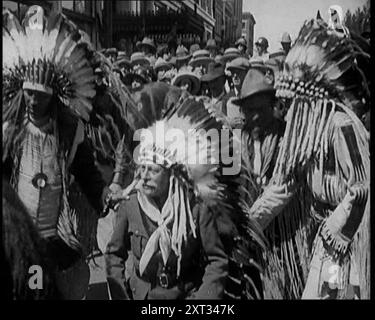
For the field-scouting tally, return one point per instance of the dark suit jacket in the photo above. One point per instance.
(132, 231)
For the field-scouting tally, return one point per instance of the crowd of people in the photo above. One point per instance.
(209, 71)
(292, 223)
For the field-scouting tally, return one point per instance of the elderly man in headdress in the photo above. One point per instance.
(45, 149)
(169, 230)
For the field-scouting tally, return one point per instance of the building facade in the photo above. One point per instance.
(86, 14)
(232, 17)
(248, 23)
(183, 22)
(219, 21)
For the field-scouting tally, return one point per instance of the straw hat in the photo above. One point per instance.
(161, 64)
(139, 58)
(191, 76)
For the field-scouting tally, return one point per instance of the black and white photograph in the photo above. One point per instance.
(186, 150)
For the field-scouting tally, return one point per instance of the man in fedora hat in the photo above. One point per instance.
(237, 70)
(215, 80)
(147, 46)
(182, 57)
(263, 127)
(212, 48)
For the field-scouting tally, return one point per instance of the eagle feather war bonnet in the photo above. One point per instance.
(45, 53)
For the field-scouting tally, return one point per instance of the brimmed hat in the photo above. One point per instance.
(254, 83)
(240, 63)
(201, 61)
(211, 44)
(123, 62)
(173, 61)
(230, 54)
(279, 56)
(201, 53)
(139, 58)
(194, 47)
(241, 41)
(121, 54)
(110, 51)
(215, 70)
(139, 73)
(182, 53)
(161, 64)
(163, 48)
(263, 42)
(186, 74)
(148, 43)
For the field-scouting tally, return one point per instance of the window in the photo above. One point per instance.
(68, 5)
(83, 7)
(243, 25)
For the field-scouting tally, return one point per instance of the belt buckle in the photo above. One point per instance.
(163, 280)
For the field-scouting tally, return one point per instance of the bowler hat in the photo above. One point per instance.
(215, 70)
(255, 82)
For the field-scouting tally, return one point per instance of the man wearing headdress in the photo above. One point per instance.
(171, 232)
(47, 93)
(324, 160)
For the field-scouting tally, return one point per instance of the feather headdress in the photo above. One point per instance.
(191, 141)
(320, 71)
(46, 53)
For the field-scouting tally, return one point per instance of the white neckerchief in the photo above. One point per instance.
(161, 237)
